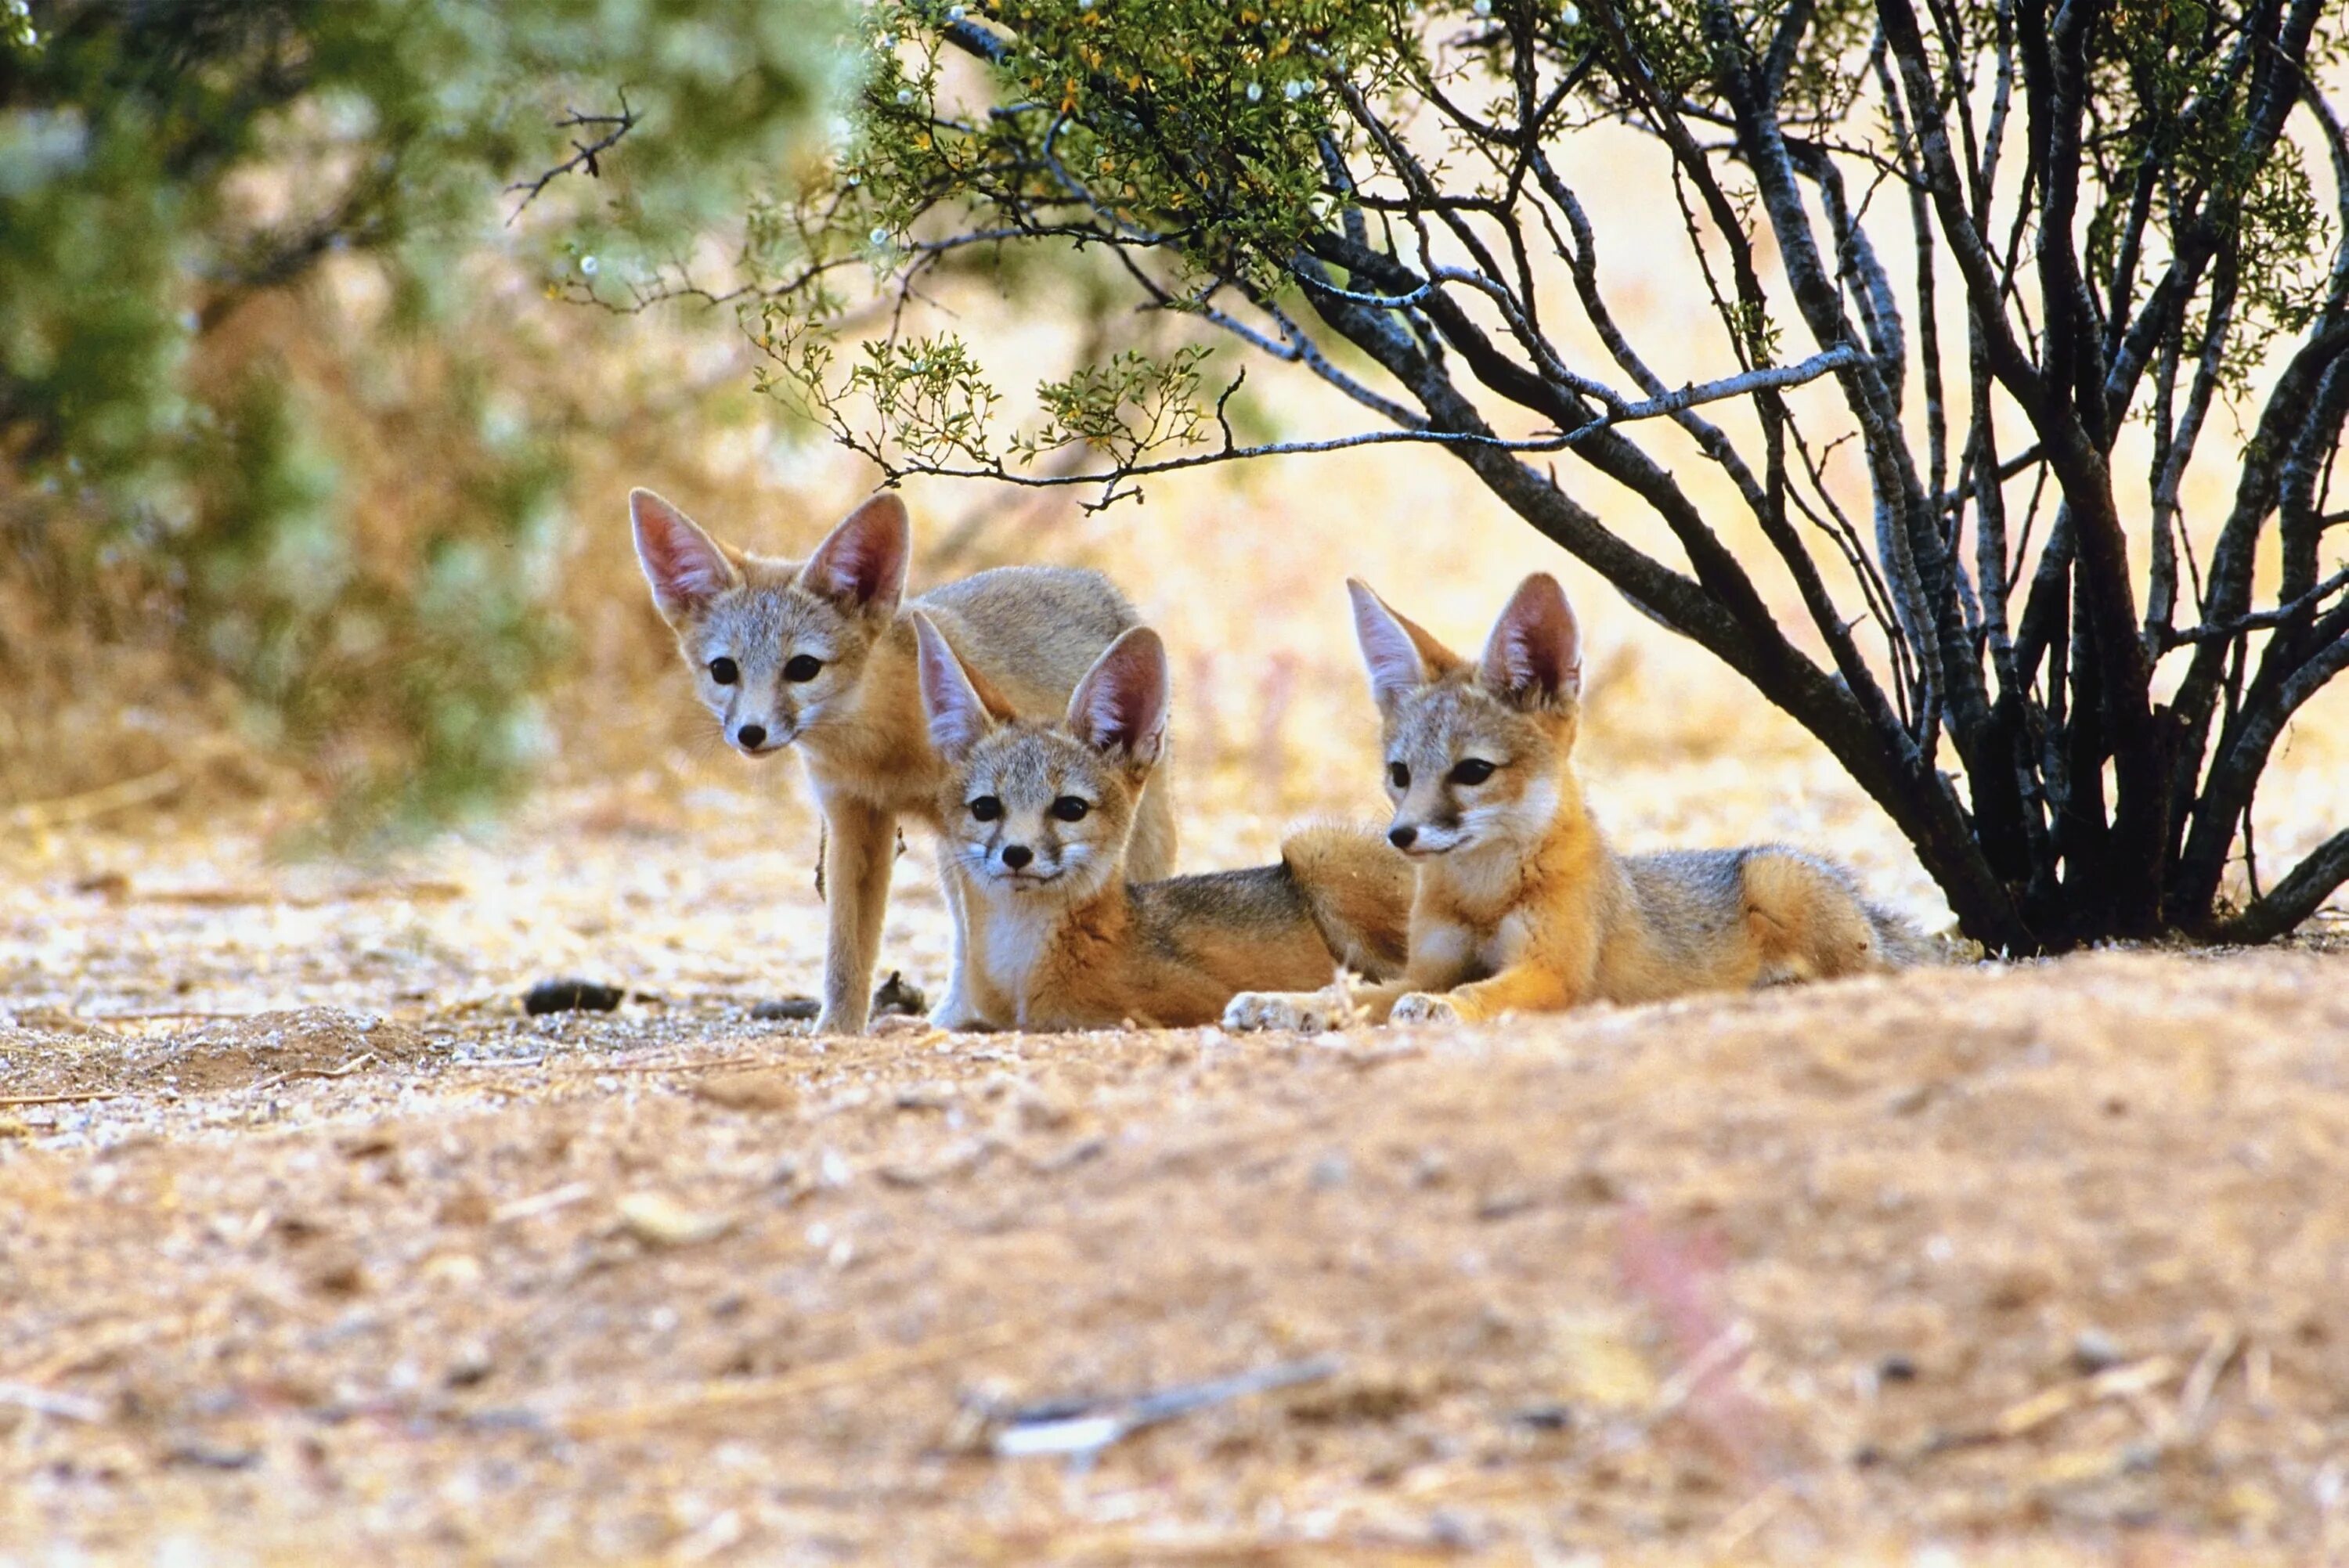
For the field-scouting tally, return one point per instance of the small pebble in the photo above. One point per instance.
(665, 1222)
(2095, 1351)
(1896, 1370)
(570, 996)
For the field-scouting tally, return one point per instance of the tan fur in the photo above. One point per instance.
(1359, 890)
(1520, 905)
(1060, 939)
(1028, 632)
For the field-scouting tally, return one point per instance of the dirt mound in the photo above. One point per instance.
(2034, 1259)
(2035, 1263)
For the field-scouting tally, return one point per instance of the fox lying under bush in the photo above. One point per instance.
(1520, 903)
(818, 654)
(1037, 822)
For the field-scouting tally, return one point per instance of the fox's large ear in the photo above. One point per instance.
(1120, 707)
(686, 568)
(1535, 656)
(861, 564)
(960, 706)
(1401, 653)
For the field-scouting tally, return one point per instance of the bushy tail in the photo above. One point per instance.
(1359, 888)
(1897, 940)
(1904, 946)
(1812, 921)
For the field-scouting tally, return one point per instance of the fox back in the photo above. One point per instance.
(1038, 821)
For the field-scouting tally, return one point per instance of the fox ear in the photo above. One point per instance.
(1535, 656)
(861, 564)
(1120, 707)
(961, 708)
(686, 568)
(1401, 653)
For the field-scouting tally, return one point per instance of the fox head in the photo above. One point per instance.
(1476, 753)
(1036, 809)
(777, 647)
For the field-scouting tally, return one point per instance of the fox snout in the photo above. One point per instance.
(1417, 838)
(1024, 865)
(755, 739)
(1418, 834)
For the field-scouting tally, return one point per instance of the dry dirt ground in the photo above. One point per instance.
(313, 1247)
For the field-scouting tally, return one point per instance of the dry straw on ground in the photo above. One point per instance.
(318, 1247)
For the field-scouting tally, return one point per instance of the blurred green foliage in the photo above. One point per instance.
(256, 251)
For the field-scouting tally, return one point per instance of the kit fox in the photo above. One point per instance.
(1521, 905)
(820, 653)
(1038, 819)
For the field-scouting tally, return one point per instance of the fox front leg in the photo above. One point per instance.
(1524, 989)
(958, 1009)
(860, 847)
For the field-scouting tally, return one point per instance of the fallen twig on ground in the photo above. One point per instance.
(122, 796)
(50, 1402)
(1080, 1431)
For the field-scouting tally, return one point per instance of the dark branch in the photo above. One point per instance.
(583, 155)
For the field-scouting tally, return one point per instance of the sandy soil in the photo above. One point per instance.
(350, 1259)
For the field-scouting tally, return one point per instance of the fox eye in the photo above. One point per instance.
(1070, 809)
(724, 671)
(802, 667)
(1470, 770)
(987, 808)
(1399, 775)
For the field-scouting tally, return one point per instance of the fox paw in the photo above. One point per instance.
(1422, 1007)
(958, 1014)
(1309, 1013)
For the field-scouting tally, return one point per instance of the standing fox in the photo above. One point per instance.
(820, 653)
(1037, 818)
(1521, 905)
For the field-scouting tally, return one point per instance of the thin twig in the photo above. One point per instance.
(585, 154)
(2263, 620)
(1767, 378)
(63, 810)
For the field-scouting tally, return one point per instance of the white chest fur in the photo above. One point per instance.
(1014, 933)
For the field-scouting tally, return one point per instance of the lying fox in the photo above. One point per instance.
(1521, 905)
(1038, 819)
(820, 653)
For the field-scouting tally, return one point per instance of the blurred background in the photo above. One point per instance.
(318, 410)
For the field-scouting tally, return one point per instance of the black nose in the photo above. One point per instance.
(1017, 855)
(1400, 838)
(752, 736)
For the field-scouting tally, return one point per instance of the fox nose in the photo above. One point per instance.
(1400, 838)
(1017, 855)
(751, 737)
